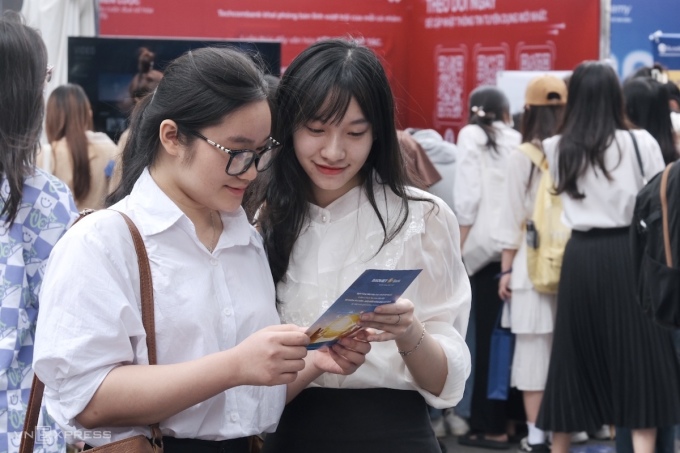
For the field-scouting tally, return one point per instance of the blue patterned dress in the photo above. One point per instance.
(47, 210)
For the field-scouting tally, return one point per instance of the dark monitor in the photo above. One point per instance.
(104, 68)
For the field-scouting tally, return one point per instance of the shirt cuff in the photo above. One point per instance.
(458, 366)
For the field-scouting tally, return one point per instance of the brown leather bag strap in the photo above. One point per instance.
(664, 214)
(146, 292)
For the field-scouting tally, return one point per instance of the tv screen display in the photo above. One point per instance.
(104, 68)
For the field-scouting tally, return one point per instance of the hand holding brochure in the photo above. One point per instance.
(374, 287)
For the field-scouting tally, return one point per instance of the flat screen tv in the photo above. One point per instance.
(104, 68)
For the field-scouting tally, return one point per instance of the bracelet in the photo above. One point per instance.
(405, 353)
(500, 274)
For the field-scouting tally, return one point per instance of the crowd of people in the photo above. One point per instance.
(259, 201)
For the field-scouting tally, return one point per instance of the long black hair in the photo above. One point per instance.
(23, 68)
(538, 123)
(594, 113)
(198, 89)
(486, 105)
(647, 106)
(319, 85)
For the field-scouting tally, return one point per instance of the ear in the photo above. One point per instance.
(168, 133)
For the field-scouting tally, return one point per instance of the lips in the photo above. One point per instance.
(236, 190)
(329, 170)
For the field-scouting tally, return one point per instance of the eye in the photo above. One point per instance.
(314, 130)
(357, 134)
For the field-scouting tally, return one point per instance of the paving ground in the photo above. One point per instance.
(589, 447)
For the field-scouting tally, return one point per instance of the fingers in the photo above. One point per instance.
(399, 313)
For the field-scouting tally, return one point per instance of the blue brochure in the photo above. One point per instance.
(374, 287)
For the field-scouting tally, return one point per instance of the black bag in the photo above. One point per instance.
(655, 240)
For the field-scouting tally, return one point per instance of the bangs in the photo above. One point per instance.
(327, 104)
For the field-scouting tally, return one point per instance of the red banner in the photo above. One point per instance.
(436, 51)
(461, 45)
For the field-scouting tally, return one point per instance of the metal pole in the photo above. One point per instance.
(605, 28)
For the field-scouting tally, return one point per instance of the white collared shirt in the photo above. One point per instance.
(608, 203)
(473, 154)
(343, 239)
(90, 319)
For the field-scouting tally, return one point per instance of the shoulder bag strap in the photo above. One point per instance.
(637, 154)
(37, 389)
(664, 215)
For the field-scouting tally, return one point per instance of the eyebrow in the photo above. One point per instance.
(241, 140)
(352, 123)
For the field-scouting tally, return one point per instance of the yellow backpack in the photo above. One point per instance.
(546, 235)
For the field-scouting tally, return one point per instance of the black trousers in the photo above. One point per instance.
(489, 416)
(174, 445)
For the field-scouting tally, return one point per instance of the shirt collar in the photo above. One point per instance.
(343, 206)
(155, 212)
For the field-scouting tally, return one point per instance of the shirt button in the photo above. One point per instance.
(227, 312)
(323, 218)
(213, 261)
(234, 417)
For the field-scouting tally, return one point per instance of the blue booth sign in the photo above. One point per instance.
(632, 22)
(666, 49)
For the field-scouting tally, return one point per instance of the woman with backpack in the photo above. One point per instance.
(612, 365)
(532, 309)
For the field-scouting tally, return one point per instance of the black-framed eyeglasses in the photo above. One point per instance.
(240, 160)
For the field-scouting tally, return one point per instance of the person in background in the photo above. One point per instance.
(647, 106)
(442, 154)
(531, 313)
(35, 212)
(226, 365)
(483, 147)
(77, 155)
(610, 363)
(337, 204)
(420, 170)
(144, 82)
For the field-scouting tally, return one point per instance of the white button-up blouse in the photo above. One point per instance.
(608, 203)
(90, 320)
(344, 239)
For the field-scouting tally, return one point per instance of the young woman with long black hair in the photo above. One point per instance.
(35, 211)
(610, 363)
(336, 205)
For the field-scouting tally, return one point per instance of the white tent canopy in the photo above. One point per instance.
(57, 20)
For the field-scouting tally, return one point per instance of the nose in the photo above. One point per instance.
(250, 174)
(334, 148)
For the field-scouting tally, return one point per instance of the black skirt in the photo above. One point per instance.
(355, 421)
(610, 364)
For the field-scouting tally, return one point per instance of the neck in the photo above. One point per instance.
(207, 222)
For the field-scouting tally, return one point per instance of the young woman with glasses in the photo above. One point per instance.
(336, 205)
(224, 359)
